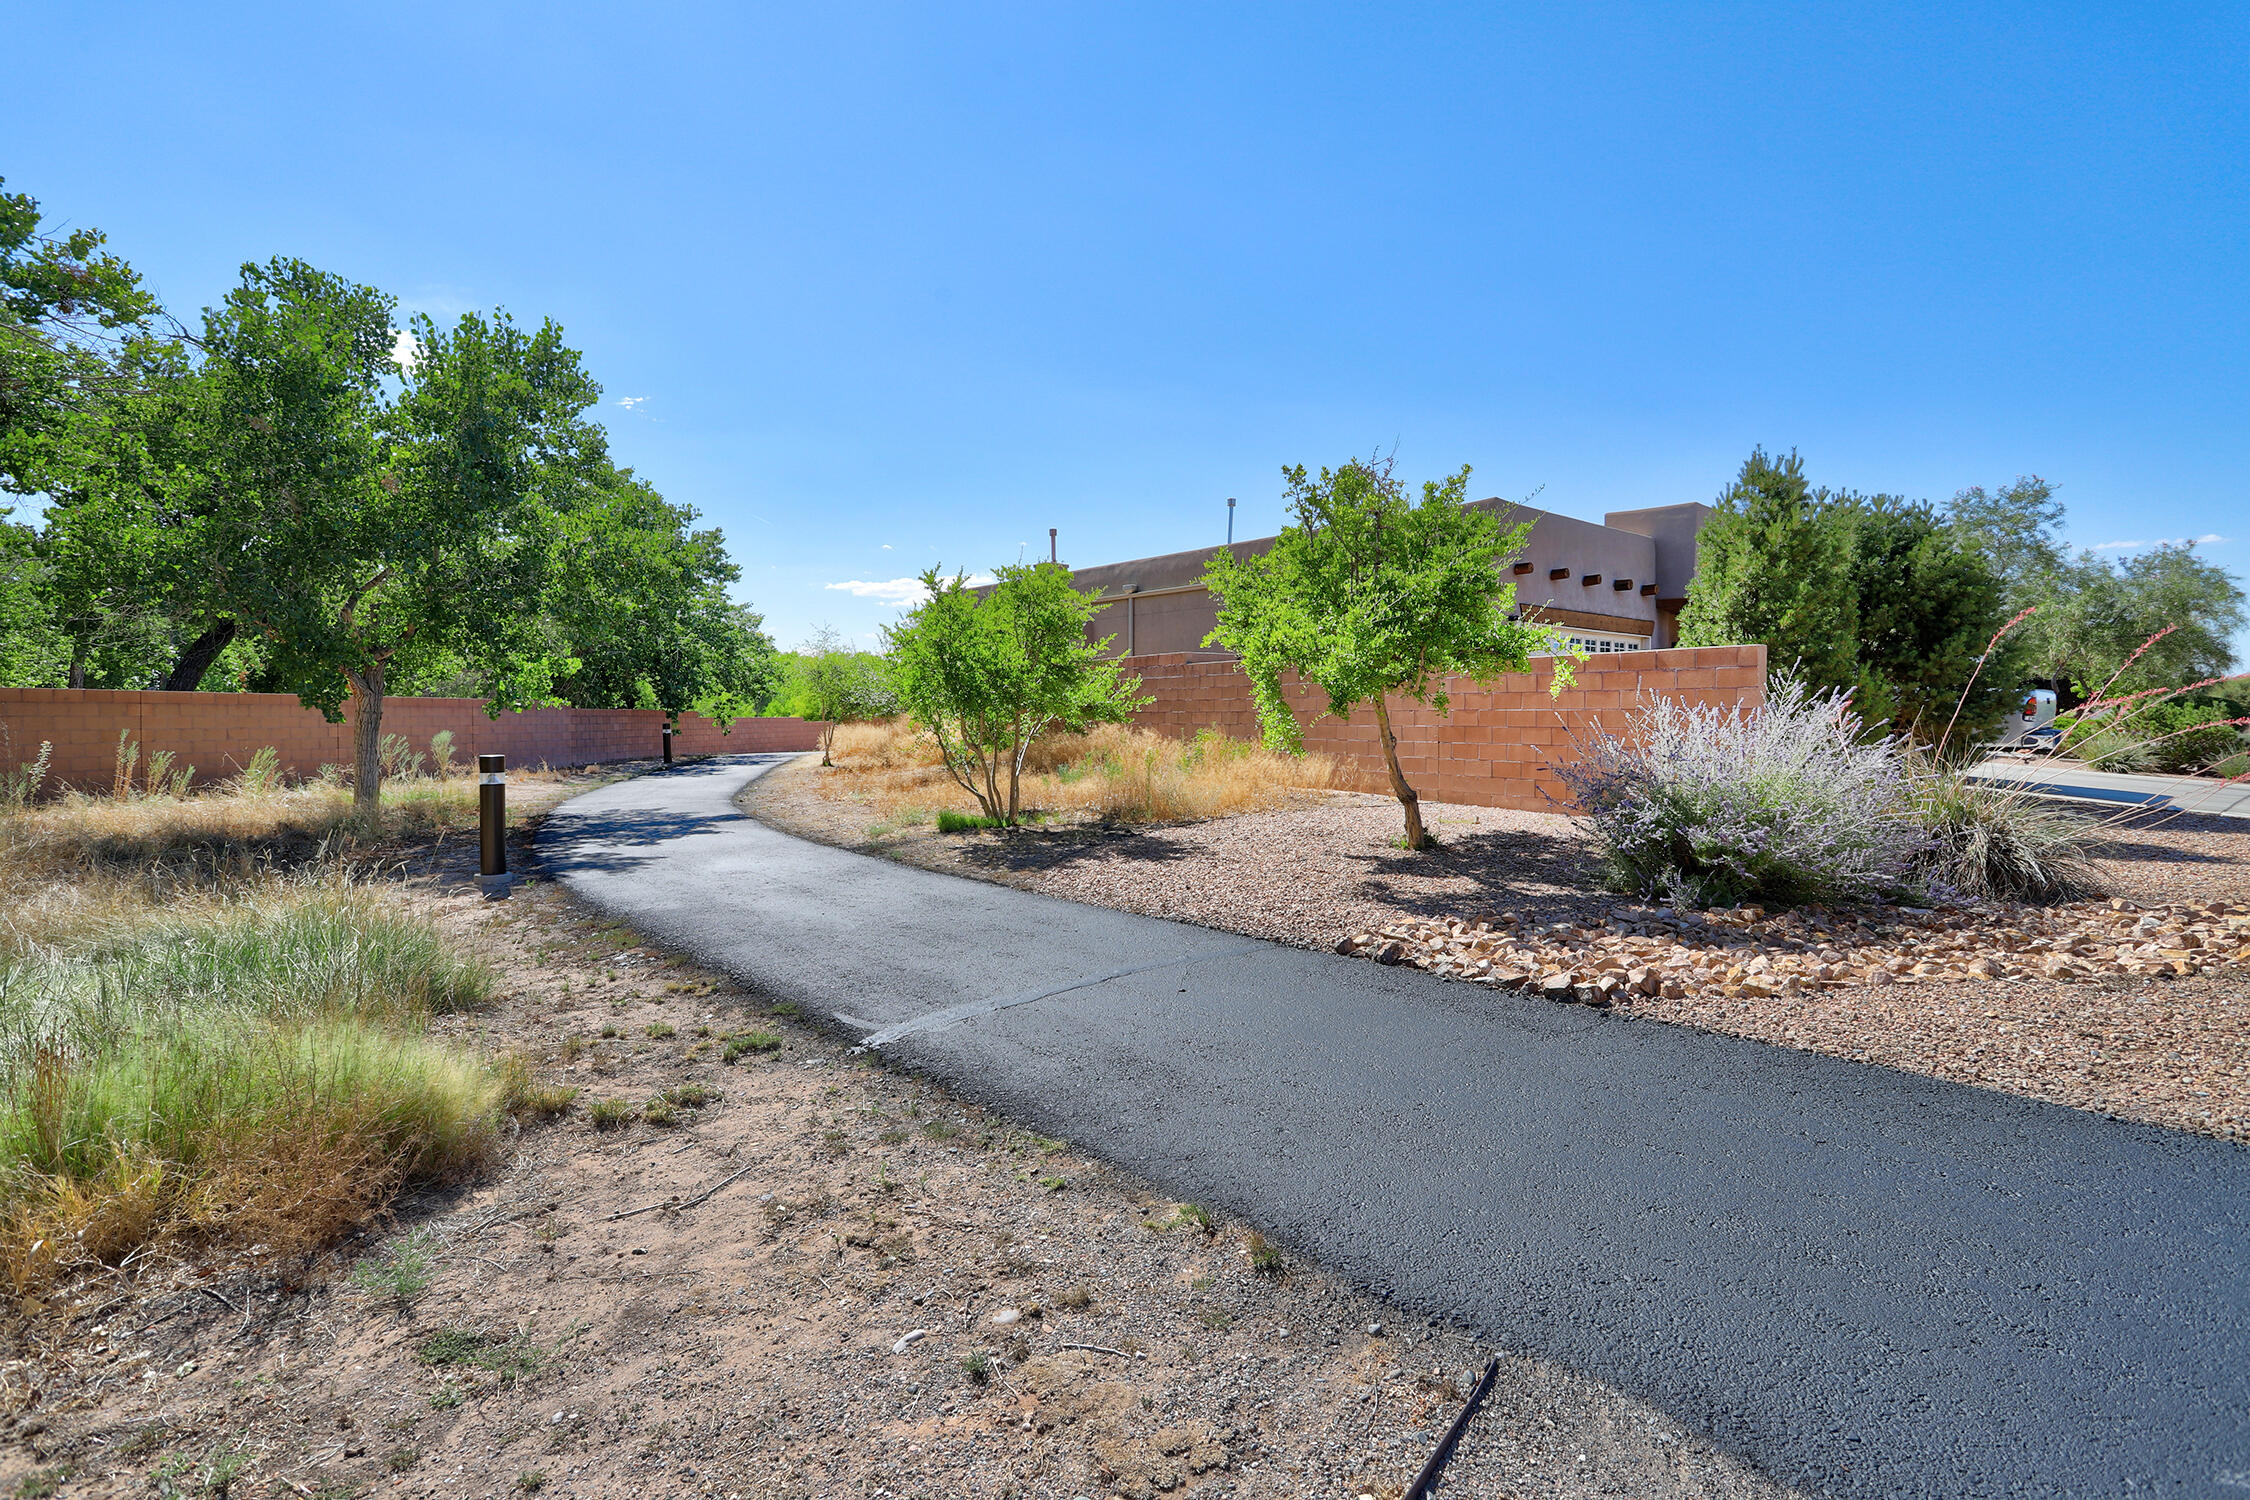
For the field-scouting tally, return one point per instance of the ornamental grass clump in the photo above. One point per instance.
(1995, 841)
(1785, 801)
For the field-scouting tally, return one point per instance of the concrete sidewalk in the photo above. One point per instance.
(1867, 1282)
(2069, 778)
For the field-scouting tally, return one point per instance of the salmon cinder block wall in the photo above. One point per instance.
(1492, 750)
(217, 733)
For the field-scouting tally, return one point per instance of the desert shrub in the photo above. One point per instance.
(20, 786)
(1992, 841)
(398, 756)
(262, 776)
(1785, 801)
(2169, 736)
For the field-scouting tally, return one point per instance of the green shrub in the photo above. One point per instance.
(2168, 736)
(949, 821)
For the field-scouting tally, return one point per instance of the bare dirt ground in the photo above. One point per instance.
(823, 1279)
(2172, 1052)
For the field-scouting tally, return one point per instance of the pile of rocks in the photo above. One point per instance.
(1651, 952)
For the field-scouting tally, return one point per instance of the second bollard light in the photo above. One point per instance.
(492, 825)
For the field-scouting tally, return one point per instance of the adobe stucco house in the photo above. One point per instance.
(1617, 586)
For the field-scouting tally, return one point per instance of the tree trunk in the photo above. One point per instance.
(187, 672)
(827, 739)
(367, 742)
(77, 664)
(1415, 837)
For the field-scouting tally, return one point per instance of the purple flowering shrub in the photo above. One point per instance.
(1786, 802)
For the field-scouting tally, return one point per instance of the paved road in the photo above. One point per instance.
(2069, 778)
(1865, 1281)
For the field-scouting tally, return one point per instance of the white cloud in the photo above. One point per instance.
(404, 349)
(890, 591)
(2205, 540)
(893, 590)
(629, 402)
(886, 546)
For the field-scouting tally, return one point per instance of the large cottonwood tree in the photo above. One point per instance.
(359, 514)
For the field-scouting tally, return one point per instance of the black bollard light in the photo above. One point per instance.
(667, 744)
(492, 826)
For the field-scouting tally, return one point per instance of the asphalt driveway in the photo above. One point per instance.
(1866, 1281)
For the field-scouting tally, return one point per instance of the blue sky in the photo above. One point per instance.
(878, 287)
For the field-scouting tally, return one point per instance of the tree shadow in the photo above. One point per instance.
(2116, 840)
(1537, 875)
(1035, 850)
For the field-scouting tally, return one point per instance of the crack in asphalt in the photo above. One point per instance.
(954, 1015)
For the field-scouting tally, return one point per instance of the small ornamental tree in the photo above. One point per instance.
(1367, 594)
(833, 683)
(988, 675)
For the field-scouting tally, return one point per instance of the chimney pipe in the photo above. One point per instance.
(1230, 520)
(1051, 545)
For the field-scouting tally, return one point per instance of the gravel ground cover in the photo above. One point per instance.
(2138, 1008)
(780, 1270)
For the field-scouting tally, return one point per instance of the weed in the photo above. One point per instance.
(659, 1030)
(40, 1484)
(1196, 1216)
(659, 1111)
(949, 821)
(401, 1459)
(402, 1272)
(977, 1365)
(448, 1396)
(1265, 1259)
(745, 1042)
(941, 1130)
(611, 1114)
(893, 1137)
(1054, 1184)
(612, 1032)
(1077, 1299)
(531, 1481)
(506, 1356)
(690, 1095)
(785, 1008)
(837, 1142)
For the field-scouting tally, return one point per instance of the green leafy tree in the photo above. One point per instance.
(832, 684)
(988, 674)
(356, 532)
(1773, 564)
(1929, 603)
(2161, 618)
(67, 308)
(88, 365)
(1367, 594)
(639, 603)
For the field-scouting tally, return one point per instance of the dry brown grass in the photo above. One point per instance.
(212, 1026)
(1112, 773)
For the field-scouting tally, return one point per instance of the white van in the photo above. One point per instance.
(2031, 724)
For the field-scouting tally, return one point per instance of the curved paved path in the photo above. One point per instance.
(1865, 1281)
